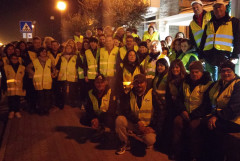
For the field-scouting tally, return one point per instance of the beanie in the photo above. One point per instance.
(227, 64)
(196, 65)
(143, 43)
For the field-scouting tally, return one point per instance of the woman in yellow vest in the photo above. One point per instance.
(43, 70)
(224, 102)
(13, 77)
(131, 67)
(175, 50)
(189, 102)
(67, 76)
(100, 106)
(150, 34)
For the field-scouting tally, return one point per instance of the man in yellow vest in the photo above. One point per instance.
(197, 25)
(139, 114)
(220, 40)
(100, 107)
(13, 80)
(190, 112)
(223, 100)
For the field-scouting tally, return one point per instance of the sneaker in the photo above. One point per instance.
(123, 149)
(18, 115)
(11, 115)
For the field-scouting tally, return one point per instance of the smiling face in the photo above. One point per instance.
(227, 74)
(185, 46)
(197, 9)
(176, 70)
(161, 68)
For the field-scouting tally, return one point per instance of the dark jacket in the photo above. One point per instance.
(214, 56)
(198, 112)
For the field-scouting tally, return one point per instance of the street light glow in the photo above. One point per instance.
(61, 5)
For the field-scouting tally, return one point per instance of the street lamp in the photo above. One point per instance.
(61, 6)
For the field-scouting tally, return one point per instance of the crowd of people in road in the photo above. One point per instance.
(179, 93)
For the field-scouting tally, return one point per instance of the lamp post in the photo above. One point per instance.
(61, 6)
(52, 18)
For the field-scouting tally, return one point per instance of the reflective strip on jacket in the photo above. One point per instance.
(54, 59)
(152, 37)
(220, 100)
(193, 100)
(127, 76)
(161, 88)
(42, 78)
(105, 102)
(198, 30)
(185, 57)
(145, 112)
(80, 70)
(15, 80)
(107, 62)
(149, 67)
(92, 64)
(68, 71)
(222, 39)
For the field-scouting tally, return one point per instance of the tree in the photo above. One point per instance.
(94, 13)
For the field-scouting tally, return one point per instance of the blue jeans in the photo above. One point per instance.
(213, 70)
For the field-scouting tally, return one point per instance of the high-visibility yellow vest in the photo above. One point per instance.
(173, 90)
(123, 51)
(108, 62)
(15, 80)
(172, 56)
(161, 88)
(222, 39)
(149, 67)
(6, 61)
(32, 55)
(220, 100)
(80, 70)
(198, 30)
(92, 64)
(145, 112)
(78, 38)
(42, 78)
(193, 100)
(105, 102)
(127, 76)
(68, 71)
(54, 59)
(185, 57)
(152, 37)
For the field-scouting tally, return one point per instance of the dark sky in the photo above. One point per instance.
(13, 11)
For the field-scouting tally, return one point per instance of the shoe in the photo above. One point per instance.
(123, 149)
(11, 115)
(18, 115)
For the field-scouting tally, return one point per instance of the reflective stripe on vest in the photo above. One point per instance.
(92, 64)
(105, 102)
(222, 39)
(145, 112)
(108, 62)
(152, 37)
(221, 100)
(198, 30)
(150, 67)
(15, 80)
(32, 55)
(68, 70)
(127, 76)
(42, 78)
(185, 58)
(123, 51)
(80, 71)
(53, 59)
(193, 100)
(161, 89)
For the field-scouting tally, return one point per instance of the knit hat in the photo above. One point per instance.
(227, 64)
(143, 43)
(218, 2)
(196, 65)
(140, 78)
(93, 39)
(100, 77)
(198, 2)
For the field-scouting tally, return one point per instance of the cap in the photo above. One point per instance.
(100, 77)
(198, 2)
(227, 64)
(218, 2)
(143, 43)
(196, 65)
(140, 78)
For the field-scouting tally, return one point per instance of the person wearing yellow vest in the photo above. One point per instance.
(143, 51)
(108, 61)
(8, 50)
(175, 50)
(220, 40)
(138, 115)
(189, 115)
(125, 75)
(12, 82)
(197, 25)
(32, 51)
(189, 53)
(149, 64)
(67, 77)
(150, 34)
(223, 100)
(100, 107)
(42, 69)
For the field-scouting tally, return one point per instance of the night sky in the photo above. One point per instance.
(13, 11)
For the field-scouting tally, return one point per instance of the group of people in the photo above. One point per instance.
(183, 91)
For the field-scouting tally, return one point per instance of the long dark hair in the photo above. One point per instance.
(183, 72)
